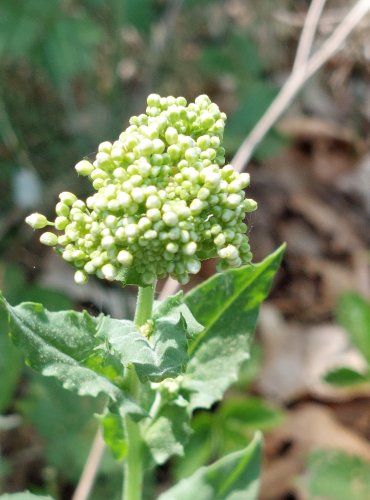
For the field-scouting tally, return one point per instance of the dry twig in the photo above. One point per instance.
(296, 81)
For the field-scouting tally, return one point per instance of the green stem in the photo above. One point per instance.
(133, 470)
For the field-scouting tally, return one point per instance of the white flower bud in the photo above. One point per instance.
(172, 247)
(131, 230)
(109, 272)
(80, 277)
(153, 214)
(49, 239)
(61, 223)
(170, 218)
(193, 266)
(189, 248)
(125, 258)
(67, 198)
(37, 221)
(153, 202)
(84, 167)
(196, 206)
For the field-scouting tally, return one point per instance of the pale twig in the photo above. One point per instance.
(297, 79)
(91, 468)
(308, 34)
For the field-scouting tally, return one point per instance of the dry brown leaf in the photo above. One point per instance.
(307, 428)
(297, 358)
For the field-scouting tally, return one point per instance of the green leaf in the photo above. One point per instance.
(164, 353)
(65, 345)
(353, 313)
(64, 421)
(338, 476)
(113, 434)
(25, 495)
(234, 477)
(167, 433)
(227, 305)
(200, 448)
(344, 376)
(10, 365)
(246, 414)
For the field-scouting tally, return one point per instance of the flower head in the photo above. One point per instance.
(162, 200)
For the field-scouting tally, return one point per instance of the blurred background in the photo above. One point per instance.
(72, 73)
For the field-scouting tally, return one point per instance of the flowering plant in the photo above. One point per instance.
(162, 202)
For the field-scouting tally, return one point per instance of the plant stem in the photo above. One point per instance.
(133, 470)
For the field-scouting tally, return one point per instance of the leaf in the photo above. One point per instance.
(227, 305)
(200, 448)
(338, 476)
(25, 495)
(173, 306)
(246, 414)
(233, 477)
(164, 353)
(10, 365)
(66, 434)
(168, 432)
(113, 434)
(344, 376)
(225, 430)
(64, 345)
(353, 313)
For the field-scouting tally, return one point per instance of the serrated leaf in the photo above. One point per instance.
(227, 305)
(337, 476)
(353, 313)
(344, 377)
(63, 345)
(167, 433)
(172, 307)
(234, 477)
(164, 353)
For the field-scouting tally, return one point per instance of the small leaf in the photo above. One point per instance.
(233, 477)
(168, 432)
(353, 313)
(25, 495)
(247, 414)
(10, 364)
(164, 353)
(337, 476)
(64, 345)
(344, 376)
(227, 305)
(63, 420)
(113, 433)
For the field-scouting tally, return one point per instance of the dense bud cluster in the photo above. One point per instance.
(163, 200)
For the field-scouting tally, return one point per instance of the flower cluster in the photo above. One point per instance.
(163, 199)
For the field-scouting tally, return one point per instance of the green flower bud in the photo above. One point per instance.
(37, 221)
(49, 239)
(84, 167)
(80, 277)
